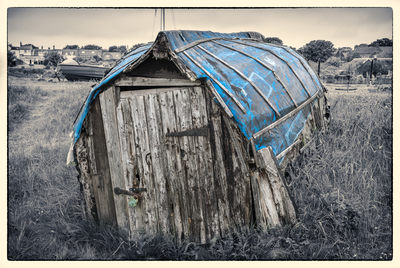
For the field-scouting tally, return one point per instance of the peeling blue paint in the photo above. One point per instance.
(277, 63)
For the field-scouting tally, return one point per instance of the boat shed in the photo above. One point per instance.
(189, 135)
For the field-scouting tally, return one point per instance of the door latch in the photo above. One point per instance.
(131, 192)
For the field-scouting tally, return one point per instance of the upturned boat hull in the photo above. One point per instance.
(82, 72)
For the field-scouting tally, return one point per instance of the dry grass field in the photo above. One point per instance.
(342, 187)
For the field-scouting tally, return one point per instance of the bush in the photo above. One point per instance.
(334, 61)
(11, 59)
(53, 59)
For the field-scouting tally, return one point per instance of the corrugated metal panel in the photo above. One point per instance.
(258, 82)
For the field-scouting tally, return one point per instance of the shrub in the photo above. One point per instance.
(53, 59)
(334, 61)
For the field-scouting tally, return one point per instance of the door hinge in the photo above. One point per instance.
(203, 131)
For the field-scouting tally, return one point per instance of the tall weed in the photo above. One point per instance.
(342, 187)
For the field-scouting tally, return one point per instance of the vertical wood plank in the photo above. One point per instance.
(210, 208)
(183, 170)
(264, 203)
(173, 168)
(81, 150)
(321, 104)
(204, 168)
(156, 149)
(108, 110)
(210, 200)
(256, 200)
(129, 161)
(100, 170)
(279, 192)
(143, 154)
(313, 116)
(220, 175)
(184, 122)
(238, 178)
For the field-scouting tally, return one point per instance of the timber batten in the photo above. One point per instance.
(171, 144)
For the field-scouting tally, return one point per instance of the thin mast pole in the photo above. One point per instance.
(163, 19)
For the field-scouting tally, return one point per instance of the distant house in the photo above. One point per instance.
(27, 48)
(12, 48)
(38, 56)
(89, 53)
(111, 56)
(26, 53)
(31, 54)
(66, 52)
(367, 52)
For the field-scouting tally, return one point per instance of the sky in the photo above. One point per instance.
(344, 27)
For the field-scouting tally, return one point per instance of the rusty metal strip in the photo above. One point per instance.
(217, 82)
(264, 65)
(203, 131)
(285, 117)
(244, 77)
(279, 57)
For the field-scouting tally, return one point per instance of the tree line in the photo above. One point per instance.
(321, 50)
(122, 49)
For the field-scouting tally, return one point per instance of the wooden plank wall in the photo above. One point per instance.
(197, 186)
(94, 170)
(231, 172)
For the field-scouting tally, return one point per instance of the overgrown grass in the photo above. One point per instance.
(20, 101)
(342, 186)
(25, 72)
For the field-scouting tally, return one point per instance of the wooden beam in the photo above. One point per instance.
(108, 110)
(288, 149)
(101, 177)
(280, 195)
(285, 117)
(220, 100)
(144, 92)
(128, 81)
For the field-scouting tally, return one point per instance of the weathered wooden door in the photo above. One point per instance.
(165, 148)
